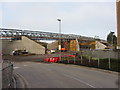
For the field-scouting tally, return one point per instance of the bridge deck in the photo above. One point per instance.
(38, 35)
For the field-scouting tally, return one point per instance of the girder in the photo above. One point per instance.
(38, 35)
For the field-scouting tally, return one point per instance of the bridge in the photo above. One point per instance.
(38, 35)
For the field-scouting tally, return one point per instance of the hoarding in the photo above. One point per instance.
(73, 45)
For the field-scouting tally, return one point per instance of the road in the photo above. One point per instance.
(53, 75)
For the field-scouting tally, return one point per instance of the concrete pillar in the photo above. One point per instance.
(118, 23)
(77, 45)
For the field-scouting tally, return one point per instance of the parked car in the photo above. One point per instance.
(52, 51)
(19, 52)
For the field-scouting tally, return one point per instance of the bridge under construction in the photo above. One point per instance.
(38, 35)
(14, 39)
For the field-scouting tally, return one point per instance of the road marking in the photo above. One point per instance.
(25, 65)
(23, 81)
(16, 67)
(79, 80)
(38, 63)
(47, 64)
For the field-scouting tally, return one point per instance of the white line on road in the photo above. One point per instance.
(38, 63)
(16, 67)
(79, 80)
(25, 65)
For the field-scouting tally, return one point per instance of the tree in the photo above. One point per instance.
(112, 39)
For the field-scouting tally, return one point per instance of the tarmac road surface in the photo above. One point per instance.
(53, 75)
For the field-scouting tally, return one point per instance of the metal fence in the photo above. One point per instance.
(103, 59)
(107, 60)
(7, 74)
(93, 59)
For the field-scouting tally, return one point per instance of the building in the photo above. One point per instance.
(93, 45)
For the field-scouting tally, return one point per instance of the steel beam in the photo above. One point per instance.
(38, 35)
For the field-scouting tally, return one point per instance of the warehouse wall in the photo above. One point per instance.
(25, 43)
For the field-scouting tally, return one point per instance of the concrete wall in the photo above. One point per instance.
(32, 46)
(53, 45)
(25, 43)
(101, 54)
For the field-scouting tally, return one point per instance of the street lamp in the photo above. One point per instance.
(59, 46)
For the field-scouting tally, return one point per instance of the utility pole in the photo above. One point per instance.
(118, 23)
(118, 26)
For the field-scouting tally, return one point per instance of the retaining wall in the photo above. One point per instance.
(25, 43)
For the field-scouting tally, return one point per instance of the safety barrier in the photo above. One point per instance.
(7, 74)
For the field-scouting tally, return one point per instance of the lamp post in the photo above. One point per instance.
(59, 44)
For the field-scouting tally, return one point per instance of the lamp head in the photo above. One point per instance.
(59, 19)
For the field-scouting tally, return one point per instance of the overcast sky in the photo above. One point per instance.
(81, 18)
